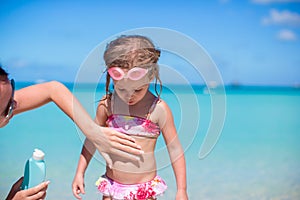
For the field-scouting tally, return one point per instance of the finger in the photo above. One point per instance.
(124, 136)
(126, 155)
(127, 148)
(81, 187)
(128, 143)
(76, 192)
(107, 158)
(125, 141)
(44, 196)
(77, 196)
(38, 188)
(121, 151)
(38, 195)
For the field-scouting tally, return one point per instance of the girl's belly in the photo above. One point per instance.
(131, 172)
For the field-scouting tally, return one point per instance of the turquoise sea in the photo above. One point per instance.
(256, 157)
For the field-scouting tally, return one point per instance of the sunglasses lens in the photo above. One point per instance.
(10, 110)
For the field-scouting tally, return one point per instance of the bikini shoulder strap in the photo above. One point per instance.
(152, 107)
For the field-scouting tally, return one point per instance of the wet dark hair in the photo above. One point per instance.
(2, 71)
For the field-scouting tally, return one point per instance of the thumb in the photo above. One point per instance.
(107, 158)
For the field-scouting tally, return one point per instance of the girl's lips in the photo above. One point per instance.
(130, 102)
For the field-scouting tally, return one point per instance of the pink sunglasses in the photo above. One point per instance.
(134, 74)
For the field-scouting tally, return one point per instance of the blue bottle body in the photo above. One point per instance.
(34, 173)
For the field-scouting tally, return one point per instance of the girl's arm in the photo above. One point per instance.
(87, 152)
(175, 150)
(106, 140)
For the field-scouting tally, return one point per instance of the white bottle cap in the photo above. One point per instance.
(38, 154)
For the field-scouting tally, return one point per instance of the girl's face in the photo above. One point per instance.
(132, 91)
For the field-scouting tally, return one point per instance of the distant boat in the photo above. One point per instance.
(209, 87)
(235, 85)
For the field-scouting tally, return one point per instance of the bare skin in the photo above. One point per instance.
(37, 192)
(105, 140)
(132, 99)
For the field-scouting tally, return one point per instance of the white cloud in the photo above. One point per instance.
(273, 1)
(286, 35)
(284, 17)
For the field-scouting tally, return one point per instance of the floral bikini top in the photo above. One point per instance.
(136, 126)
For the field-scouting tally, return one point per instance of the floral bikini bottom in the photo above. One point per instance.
(141, 191)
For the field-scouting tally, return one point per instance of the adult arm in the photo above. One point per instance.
(105, 139)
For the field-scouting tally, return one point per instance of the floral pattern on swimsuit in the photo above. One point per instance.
(131, 125)
(141, 191)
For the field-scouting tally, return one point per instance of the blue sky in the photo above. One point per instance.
(253, 42)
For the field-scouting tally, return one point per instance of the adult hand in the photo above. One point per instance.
(36, 193)
(109, 141)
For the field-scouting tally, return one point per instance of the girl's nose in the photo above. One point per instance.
(129, 95)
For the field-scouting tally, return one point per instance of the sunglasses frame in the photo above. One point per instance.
(11, 105)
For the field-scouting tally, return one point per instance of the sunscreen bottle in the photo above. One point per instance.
(35, 170)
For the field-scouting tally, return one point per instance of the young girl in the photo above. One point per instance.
(133, 110)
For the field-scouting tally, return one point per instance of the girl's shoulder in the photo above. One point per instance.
(161, 111)
(161, 103)
(104, 104)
